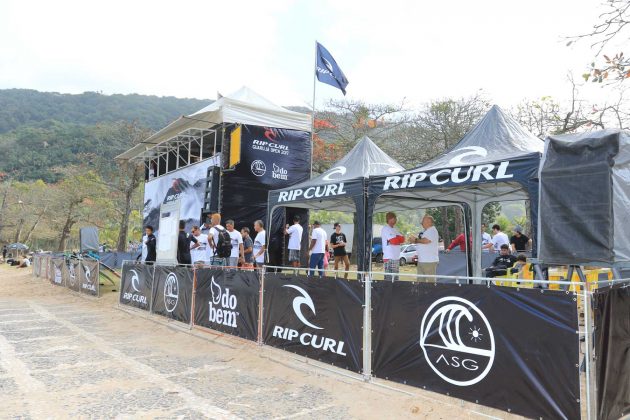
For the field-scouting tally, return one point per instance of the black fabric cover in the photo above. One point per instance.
(271, 158)
(576, 213)
(612, 347)
(228, 301)
(331, 312)
(532, 370)
(135, 285)
(173, 292)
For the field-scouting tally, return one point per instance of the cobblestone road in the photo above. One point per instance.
(63, 355)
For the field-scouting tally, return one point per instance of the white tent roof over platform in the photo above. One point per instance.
(243, 107)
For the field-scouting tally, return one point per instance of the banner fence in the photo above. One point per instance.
(517, 349)
(81, 276)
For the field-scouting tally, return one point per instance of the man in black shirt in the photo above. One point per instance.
(150, 244)
(501, 263)
(519, 242)
(183, 244)
(338, 243)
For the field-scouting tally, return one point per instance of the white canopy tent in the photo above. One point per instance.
(243, 107)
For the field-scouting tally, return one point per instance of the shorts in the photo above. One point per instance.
(294, 255)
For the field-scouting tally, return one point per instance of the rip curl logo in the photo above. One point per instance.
(58, 277)
(88, 283)
(471, 151)
(72, 274)
(304, 299)
(171, 292)
(135, 295)
(333, 173)
(457, 341)
(135, 280)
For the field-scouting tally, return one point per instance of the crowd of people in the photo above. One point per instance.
(213, 244)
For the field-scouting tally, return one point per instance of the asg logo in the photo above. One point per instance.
(307, 339)
(258, 168)
(457, 341)
(222, 306)
(171, 292)
(303, 299)
(279, 173)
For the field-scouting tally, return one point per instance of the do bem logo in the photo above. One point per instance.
(279, 173)
(317, 341)
(222, 306)
(457, 341)
(171, 292)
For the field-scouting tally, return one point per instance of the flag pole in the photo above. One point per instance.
(313, 112)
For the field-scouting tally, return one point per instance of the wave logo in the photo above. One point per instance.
(304, 299)
(135, 280)
(468, 152)
(457, 341)
(171, 292)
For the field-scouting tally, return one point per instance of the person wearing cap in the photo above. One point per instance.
(317, 249)
(338, 243)
(519, 242)
(392, 239)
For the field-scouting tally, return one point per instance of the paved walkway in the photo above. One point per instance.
(63, 355)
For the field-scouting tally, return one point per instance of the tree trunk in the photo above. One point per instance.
(30, 232)
(67, 228)
(18, 231)
(2, 207)
(124, 223)
(459, 221)
(446, 232)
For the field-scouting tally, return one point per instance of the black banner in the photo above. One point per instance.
(320, 318)
(74, 271)
(512, 349)
(57, 266)
(89, 277)
(271, 158)
(228, 301)
(173, 292)
(612, 347)
(135, 285)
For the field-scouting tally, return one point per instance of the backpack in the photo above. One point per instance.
(224, 245)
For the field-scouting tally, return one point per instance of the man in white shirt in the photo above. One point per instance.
(317, 249)
(499, 238)
(237, 244)
(428, 249)
(295, 241)
(485, 238)
(213, 239)
(260, 243)
(392, 239)
(199, 255)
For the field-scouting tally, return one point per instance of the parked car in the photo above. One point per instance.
(408, 254)
(377, 250)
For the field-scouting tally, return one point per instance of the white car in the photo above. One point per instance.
(408, 254)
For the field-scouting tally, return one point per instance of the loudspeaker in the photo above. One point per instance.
(212, 193)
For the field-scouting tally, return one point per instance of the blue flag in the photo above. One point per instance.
(328, 71)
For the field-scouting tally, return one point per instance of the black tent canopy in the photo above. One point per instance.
(341, 188)
(496, 161)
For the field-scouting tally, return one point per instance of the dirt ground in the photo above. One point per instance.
(64, 355)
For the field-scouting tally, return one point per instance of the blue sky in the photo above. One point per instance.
(389, 50)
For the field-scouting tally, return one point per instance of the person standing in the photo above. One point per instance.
(149, 245)
(248, 247)
(295, 241)
(199, 254)
(184, 244)
(428, 251)
(317, 249)
(236, 241)
(519, 242)
(260, 243)
(220, 241)
(485, 238)
(392, 239)
(338, 243)
(4, 252)
(499, 238)
(460, 240)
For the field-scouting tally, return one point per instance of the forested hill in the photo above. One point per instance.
(20, 107)
(41, 133)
